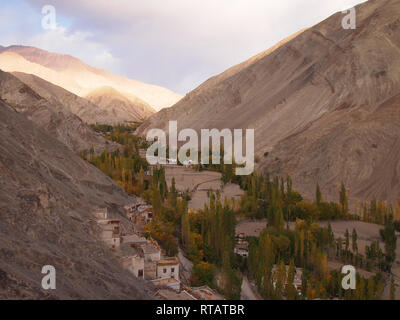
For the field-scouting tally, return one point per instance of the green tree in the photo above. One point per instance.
(343, 199)
(187, 239)
(291, 291)
(354, 241)
(203, 273)
(389, 237)
(392, 289)
(141, 181)
(318, 196)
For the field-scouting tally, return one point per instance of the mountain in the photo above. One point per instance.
(120, 106)
(79, 78)
(47, 195)
(84, 109)
(52, 116)
(318, 103)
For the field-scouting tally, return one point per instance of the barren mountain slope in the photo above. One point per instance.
(319, 78)
(47, 194)
(358, 147)
(121, 107)
(53, 117)
(84, 109)
(78, 77)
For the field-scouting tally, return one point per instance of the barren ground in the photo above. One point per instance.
(199, 183)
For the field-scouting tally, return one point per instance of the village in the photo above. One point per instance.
(144, 258)
(171, 276)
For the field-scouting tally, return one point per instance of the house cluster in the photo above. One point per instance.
(145, 259)
(242, 245)
(142, 257)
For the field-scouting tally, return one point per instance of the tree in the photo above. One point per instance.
(187, 239)
(379, 289)
(331, 235)
(388, 235)
(203, 273)
(343, 199)
(318, 196)
(392, 289)
(370, 288)
(347, 237)
(156, 202)
(173, 194)
(354, 241)
(291, 291)
(141, 181)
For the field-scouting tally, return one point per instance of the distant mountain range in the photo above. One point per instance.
(81, 79)
(324, 104)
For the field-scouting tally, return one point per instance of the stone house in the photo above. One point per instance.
(110, 232)
(168, 268)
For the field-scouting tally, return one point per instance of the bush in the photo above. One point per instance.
(203, 273)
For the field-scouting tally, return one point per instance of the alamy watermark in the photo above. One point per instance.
(349, 280)
(188, 153)
(49, 21)
(49, 280)
(350, 20)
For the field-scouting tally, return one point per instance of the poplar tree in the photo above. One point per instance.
(354, 241)
(291, 291)
(318, 196)
(344, 202)
(392, 289)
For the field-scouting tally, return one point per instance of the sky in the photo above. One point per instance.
(177, 44)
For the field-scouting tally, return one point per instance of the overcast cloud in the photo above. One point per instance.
(177, 44)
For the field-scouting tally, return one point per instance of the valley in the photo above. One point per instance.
(321, 188)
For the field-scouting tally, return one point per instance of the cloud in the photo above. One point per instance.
(178, 43)
(78, 44)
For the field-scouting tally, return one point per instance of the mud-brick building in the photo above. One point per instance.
(110, 232)
(168, 268)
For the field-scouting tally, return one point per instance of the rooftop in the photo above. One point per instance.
(168, 261)
(149, 248)
(127, 250)
(168, 294)
(205, 293)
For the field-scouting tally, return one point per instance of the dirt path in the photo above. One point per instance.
(247, 291)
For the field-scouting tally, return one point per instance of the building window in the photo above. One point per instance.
(165, 270)
(172, 270)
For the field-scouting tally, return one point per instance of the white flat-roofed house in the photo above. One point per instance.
(132, 259)
(168, 268)
(135, 264)
(242, 250)
(151, 252)
(167, 274)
